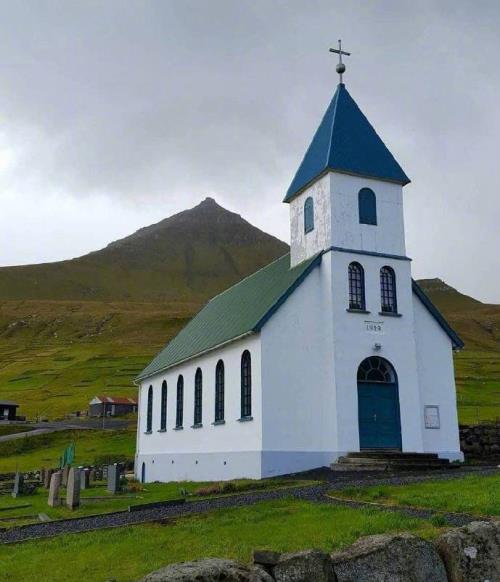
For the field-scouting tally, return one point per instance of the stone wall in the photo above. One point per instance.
(481, 441)
(470, 553)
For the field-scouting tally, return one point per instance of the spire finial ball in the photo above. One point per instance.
(340, 68)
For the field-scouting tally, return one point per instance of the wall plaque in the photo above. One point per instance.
(431, 416)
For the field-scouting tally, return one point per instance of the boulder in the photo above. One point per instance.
(208, 570)
(308, 566)
(266, 557)
(395, 558)
(471, 553)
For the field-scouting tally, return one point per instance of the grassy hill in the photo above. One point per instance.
(74, 329)
(477, 367)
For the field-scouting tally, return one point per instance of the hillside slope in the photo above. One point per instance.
(74, 329)
(477, 323)
(189, 256)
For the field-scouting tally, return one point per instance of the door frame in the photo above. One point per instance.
(397, 404)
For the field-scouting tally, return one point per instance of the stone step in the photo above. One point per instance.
(393, 461)
(390, 454)
(378, 460)
(388, 468)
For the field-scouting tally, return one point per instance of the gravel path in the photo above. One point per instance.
(314, 493)
(122, 518)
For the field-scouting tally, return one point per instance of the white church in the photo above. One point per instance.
(331, 349)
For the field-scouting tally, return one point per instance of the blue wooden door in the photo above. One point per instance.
(379, 420)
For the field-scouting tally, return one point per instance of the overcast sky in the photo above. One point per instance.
(116, 114)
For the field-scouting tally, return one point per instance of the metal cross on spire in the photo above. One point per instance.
(340, 68)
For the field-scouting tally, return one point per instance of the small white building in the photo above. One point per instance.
(328, 350)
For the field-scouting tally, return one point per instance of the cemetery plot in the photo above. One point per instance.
(44, 450)
(83, 496)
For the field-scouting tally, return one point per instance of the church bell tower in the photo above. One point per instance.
(347, 191)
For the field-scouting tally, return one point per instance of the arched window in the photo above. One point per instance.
(375, 369)
(198, 397)
(149, 416)
(246, 385)
(179, 412)
(308, 215)
(388, 290)
(219, 391)
(163, 414)
(367, 204)
(356, 286)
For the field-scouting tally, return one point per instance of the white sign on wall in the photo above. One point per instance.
(431, 416)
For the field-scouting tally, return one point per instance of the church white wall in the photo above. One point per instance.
(355, 339)
(387, 236)
(226, 451)
(297, 374)
(437, 384)
(304, 245)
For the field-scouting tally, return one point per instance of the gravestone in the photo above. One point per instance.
(18, 485)
(114, 478)
(73, 488)
(55, 485)
(41, 475)
(46, 477)
(84, 478)
(65, 474)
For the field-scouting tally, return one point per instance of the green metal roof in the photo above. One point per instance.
(241, 309)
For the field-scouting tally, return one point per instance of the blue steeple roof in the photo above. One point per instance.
(345, 141)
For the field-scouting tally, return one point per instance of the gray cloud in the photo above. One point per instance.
(115, 114)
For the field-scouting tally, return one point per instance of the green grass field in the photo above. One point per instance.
(126, 554)
(45, 450)
(473, 494)
(97, 500)
(55, 356)
(478, 386)
(14, 429)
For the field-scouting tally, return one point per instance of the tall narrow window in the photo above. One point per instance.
(246, 385)
(356, 287)
(388, 290)
(163, 415)
(198, 397)
(219, 391)
(367, 203)
(149, 417)
(308, 215)
(179, 413)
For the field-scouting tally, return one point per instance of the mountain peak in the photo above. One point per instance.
(209, 201)
(192, 255)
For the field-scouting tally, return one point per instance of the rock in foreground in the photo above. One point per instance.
(471, 553)
(398, 558)
(308, 566)
(208, 570)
